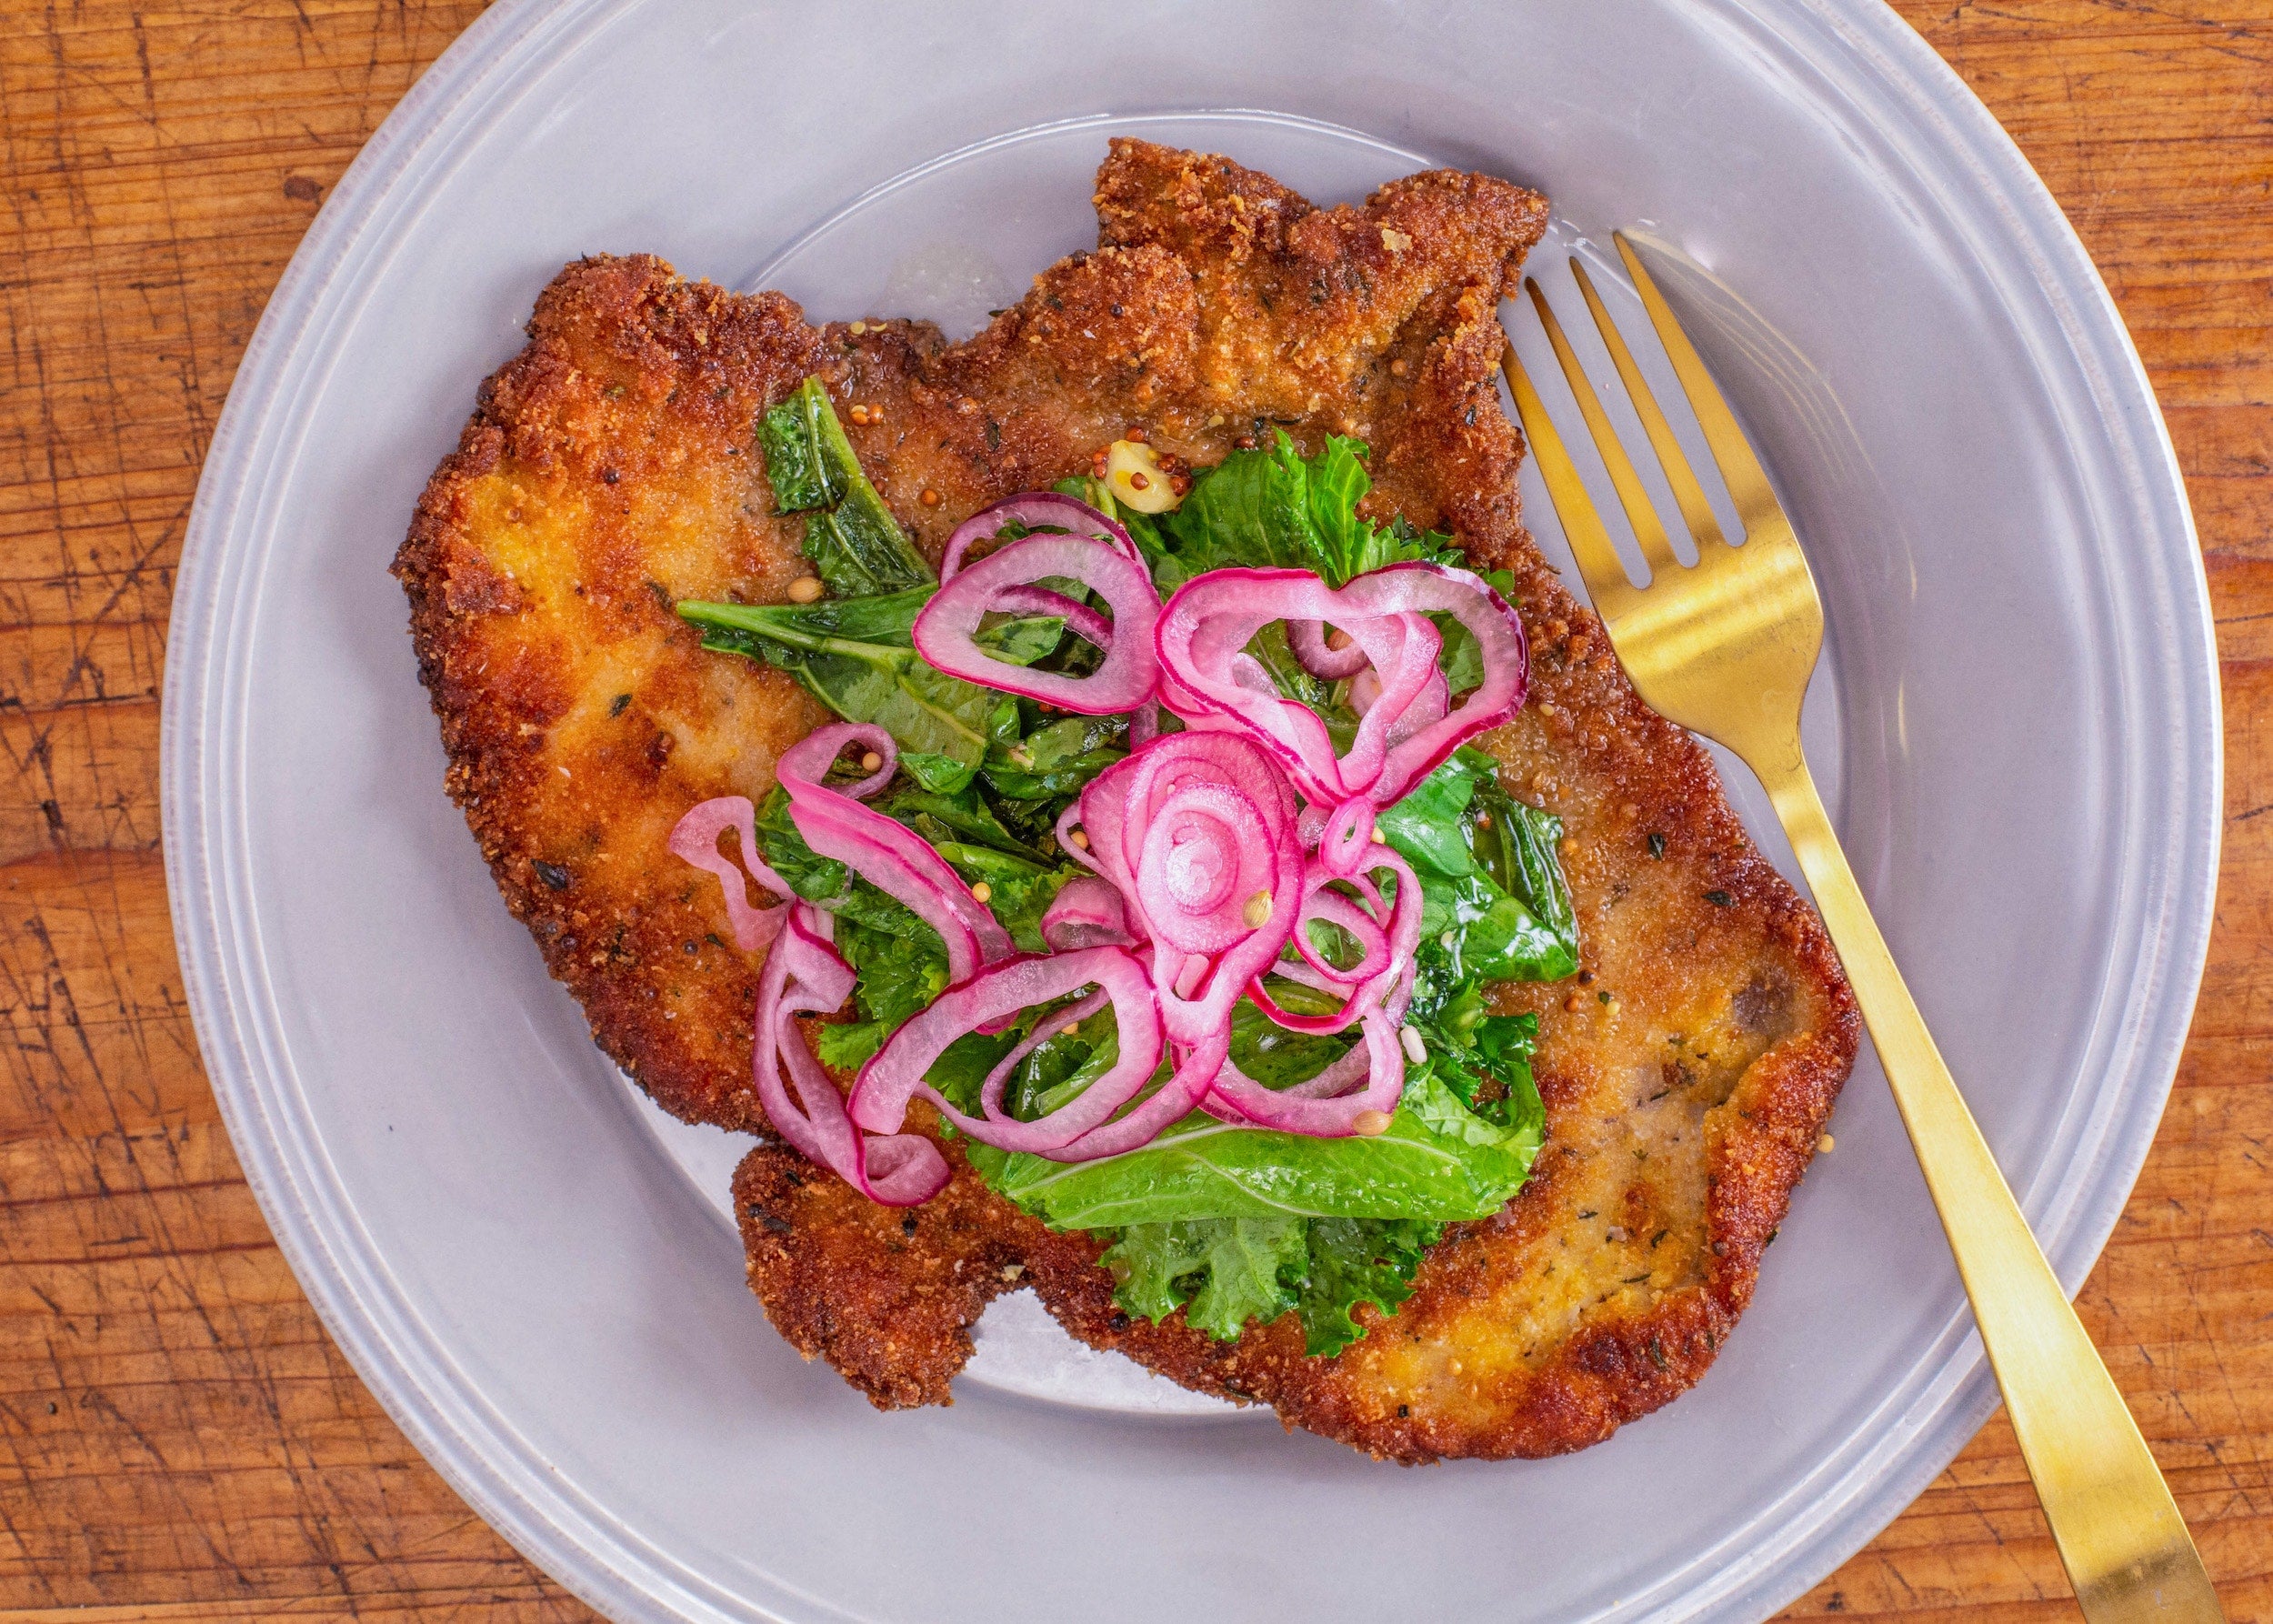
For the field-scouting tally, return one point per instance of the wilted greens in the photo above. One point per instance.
(1231, 1223)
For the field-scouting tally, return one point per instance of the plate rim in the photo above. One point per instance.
(605, 1563)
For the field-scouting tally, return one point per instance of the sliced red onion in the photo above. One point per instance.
(945, 632)
(1204, 629)
(1087, 912)
(1080, 619)
(1196, 1068)
(895, 1074)
(1036, 510)
(1404, 927)
(1433, 701)
(694, 839)
(1348, 832)
(1336, 1117)
(1054, 1025)
(1405, 679)
(1307, 638)
(1324, 1106)
(1078, 850)
(885, 853)
(1330, 906)
(1188, 707)
(804, 975)
(1402, 650)
(1382, 982)
(1198, 831)
(1198, 866)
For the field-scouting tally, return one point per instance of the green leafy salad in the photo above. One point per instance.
(1230, 1222)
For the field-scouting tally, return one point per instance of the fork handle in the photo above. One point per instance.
(2119, 1533)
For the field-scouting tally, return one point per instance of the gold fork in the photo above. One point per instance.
(1724, 647)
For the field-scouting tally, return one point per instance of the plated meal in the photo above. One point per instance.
(1121, 808)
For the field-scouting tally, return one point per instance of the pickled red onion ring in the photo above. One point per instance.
(1290, 1111)
(894, 1074)
(1346, 835)
(1307, 638)
(1386, 984)
(1068, 821)
(946, 631)
(1406, 731)
(694, 839)
(1036, 510)
(1087, 912)
(1402, 649)
(885, 853)
(1198, 831)
(804, 975)
(1331, 908)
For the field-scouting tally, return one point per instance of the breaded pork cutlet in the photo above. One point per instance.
(611, 469)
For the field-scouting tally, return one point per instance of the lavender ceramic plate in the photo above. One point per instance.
(536, 1278)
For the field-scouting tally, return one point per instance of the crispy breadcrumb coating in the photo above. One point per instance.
(611, 469)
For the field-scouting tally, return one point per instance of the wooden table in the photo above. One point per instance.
(181, 1438)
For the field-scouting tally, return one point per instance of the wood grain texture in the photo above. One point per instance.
(178, 1439)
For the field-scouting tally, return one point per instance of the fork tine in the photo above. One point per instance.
(1740, 469)
(1640, 512)
(1606, 585)
(1688, 494)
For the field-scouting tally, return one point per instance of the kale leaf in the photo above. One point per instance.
(1019, 639)
(855, 651)
(899, 975)
(1495, 905)
(1272, 508)
(817, 879)
(1355, 1260)
(1438, 1161)
(961, 1069)
(1056, 759)
(856, 656)
(1274, 1055)
(1019, 890)
(965, 814)
(886, 620)
(1488, 1065)
(847, 1045)
(1227, 1272)
(1212, 1267)
(1221, 1274)
(854, 543)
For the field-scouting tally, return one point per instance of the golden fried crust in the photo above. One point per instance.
(887, 1295)
(608, 472)
(1686, 1072)
(1298, 304)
